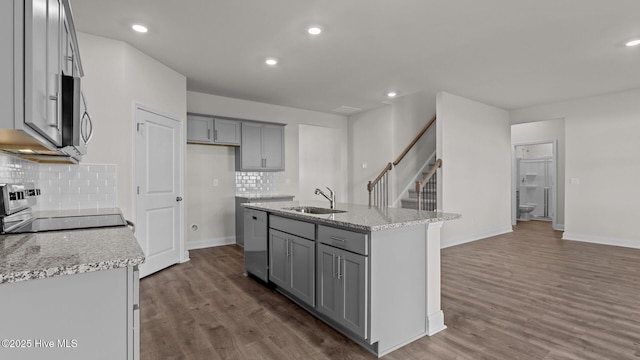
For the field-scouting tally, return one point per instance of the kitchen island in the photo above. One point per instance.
(69, 294)
(373, 274)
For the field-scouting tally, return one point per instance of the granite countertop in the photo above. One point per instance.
(41, 255)
(263, 196)
(360, 217)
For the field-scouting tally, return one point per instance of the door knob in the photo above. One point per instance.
(179, 198)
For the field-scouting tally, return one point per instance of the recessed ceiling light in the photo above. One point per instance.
(271, 61)
(140, 28)
(314, 30)
(392, 94)
(635, 42)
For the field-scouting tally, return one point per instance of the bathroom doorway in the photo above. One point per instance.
(534, 181)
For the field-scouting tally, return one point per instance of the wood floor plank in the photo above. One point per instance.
(523, 295)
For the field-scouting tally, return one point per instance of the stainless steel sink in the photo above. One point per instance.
(314, 210)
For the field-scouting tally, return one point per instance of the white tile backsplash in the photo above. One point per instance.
(15, 170)
(64, 187)
(77, 186)
(253, 183)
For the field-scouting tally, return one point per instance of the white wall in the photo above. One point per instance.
(545, 131)
(602, 171)
(209, 162)
(369, 145)
(322, 151)
(474, 144)
(116, 77)
(378, 136)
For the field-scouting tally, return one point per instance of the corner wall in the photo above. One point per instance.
(117, 76)
(213, 208)
(602, 165)
(474, 142)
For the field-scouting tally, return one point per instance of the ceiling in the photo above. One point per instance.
(506, 53)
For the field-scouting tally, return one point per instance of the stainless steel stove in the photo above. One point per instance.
(16, 201)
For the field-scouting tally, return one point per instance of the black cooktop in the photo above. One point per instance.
(70, 223)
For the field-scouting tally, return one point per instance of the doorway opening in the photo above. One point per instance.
(535, 179)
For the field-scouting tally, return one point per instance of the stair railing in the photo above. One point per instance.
(414, 141)
(426, 189)
(379, 188)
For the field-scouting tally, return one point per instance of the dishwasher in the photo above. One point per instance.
(256, 256)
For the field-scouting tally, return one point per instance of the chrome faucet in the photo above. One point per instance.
(332, 198)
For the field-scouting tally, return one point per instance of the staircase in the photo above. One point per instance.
(421, 193)
(429, 196)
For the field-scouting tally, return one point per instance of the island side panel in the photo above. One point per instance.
(435, 316)
(398, 286)
(67, 317)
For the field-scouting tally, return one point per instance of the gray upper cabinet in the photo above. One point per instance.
(226, 132)
(199, 129)
(204, 129)
(262, 147)
(42, 42)
(251, 147)
(6, 58)
(38, 45)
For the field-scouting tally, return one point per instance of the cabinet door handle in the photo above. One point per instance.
(208, 133)
(55, 98)
(332, 237)
(333, 265)
(339, 272)
(215, 135)
(288, 254)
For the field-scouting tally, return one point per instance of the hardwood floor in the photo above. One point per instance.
(524, 295)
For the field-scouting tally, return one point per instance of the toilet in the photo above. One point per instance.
(525, 210)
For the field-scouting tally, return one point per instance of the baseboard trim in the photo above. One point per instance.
(628, 243)
(559, 227)
(435, 323)
(454, 242)
(207, 243)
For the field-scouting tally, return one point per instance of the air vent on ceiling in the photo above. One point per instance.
(346, 110)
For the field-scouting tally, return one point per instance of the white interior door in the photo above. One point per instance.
(158, 206)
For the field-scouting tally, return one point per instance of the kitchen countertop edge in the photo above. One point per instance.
(414, 217)
(32, 256)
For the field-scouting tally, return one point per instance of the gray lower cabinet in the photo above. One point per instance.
(292, 265)
(81, 316)
(262, 147)
(342, 288)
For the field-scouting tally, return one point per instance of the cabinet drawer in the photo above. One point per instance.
(294, 227)
(344, 239)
